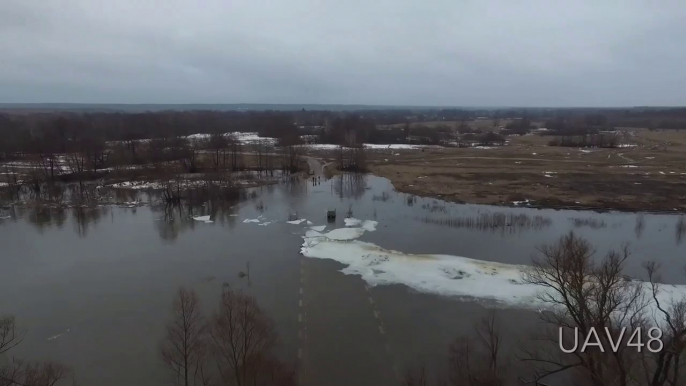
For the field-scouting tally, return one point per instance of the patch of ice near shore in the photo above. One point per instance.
(205, 219)
(247, 220)
(296, 222)
(367, 225)
(441, 274)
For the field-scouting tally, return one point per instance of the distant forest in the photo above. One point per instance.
(24, 130)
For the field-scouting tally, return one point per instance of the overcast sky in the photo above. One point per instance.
(391, 52)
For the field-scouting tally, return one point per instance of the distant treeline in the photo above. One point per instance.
(29, 132)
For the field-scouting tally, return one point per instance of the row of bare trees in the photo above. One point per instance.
(590, 299)
(233, 346)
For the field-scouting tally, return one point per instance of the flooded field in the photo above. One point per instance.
(93, 286)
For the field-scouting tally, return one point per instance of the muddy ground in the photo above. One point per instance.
(650, 176)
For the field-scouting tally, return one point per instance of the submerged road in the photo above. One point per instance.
(342, 336)
(315, 165)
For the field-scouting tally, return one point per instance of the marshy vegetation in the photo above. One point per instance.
(497, 221)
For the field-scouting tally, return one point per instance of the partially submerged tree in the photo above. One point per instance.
(19, 372)
(185, 347)
(235, 347)
(473, 360)
(243, 337)
(591, 300)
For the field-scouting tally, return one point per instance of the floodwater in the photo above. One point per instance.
(93, 287)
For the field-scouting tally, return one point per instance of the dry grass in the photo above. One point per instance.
(646, 177)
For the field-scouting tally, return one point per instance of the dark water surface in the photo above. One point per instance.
(93, 287)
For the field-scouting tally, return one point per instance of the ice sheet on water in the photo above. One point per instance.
(343, 234)
(205, 219)
(296, 222)
(248, 220)
(352, 222)
(318, 228)
(367, 225)
(441, 274)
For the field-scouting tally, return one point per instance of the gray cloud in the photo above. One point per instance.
(448, 52)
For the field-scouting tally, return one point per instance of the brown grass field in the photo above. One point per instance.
(650, 176)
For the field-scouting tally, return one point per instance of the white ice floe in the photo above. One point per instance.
(205, 219)
(367, 225)
(264, 224)
(439, 274)
(296, 222)
(547, 175)
(255, 220)
(352, 222)
(343, 234)
(318, 228)
(309, 222)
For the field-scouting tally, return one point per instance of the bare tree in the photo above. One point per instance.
(218, 145)
(184, 348)
(9, 336)
(23, 373)
(594, 301)
(473, 360)
(243, 338)
(666, 365)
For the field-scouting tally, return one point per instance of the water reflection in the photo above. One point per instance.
(220, 206)
(492, 222)
(640, 225)
(350, 185)
(44, 217)
(435, 206)
(680, 229)
(84, 217)
(593, 223)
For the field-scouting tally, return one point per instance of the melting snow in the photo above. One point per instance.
(439, 274)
